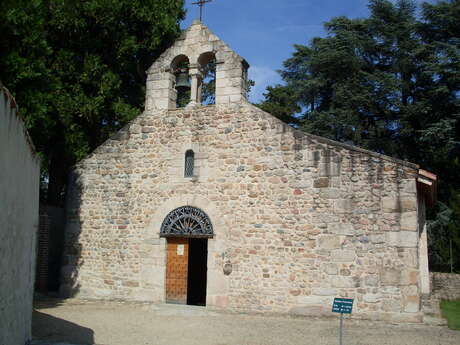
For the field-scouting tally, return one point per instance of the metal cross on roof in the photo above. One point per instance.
(201, 4)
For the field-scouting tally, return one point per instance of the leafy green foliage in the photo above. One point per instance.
(208, 92)
(77, 70)
(440, 240)
(451, 311)
(389, 83)
(280, 103)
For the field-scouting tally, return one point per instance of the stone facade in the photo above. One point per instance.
(19, 186)
(297, 219)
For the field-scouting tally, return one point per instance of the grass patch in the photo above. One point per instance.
(451, 311)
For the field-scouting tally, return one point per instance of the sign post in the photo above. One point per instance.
(342, 306)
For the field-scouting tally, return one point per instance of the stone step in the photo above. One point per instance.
(432, 311)
(434, 320)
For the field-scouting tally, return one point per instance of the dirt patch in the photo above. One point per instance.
(118, 323)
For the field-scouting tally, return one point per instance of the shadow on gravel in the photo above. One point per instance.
(49, 328)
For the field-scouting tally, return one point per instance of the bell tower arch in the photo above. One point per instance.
(197, 44)
(180, 89)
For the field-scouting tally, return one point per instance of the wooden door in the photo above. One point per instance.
(177, 270)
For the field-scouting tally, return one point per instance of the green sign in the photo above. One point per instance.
(342, 305)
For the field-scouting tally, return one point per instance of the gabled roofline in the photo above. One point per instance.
(182, 37)
(426, 181)
(349, 147)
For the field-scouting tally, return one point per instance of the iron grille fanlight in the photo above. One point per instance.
(186, 221)
(189, 163)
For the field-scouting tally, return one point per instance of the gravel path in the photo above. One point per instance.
(118, 323)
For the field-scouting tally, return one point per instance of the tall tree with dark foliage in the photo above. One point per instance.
(77, 70)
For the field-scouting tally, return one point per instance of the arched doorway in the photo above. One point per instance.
(187, 230)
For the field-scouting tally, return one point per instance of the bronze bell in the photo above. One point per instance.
(182, 80)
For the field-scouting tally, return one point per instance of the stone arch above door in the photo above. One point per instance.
(221, 223)
(187, 221)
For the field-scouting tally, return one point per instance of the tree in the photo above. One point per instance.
(388, 83)
(77, 70)
(444, 236)
(280, 103)
(208, 93)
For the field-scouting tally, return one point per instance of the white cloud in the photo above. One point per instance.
(263, 77)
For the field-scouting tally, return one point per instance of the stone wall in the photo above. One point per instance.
(445, 285)
(299, 219)
(19, 185)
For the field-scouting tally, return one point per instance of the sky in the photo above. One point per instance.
(264, 31)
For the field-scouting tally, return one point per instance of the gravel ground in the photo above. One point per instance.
(118, 323)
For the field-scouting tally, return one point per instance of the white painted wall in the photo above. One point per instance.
(19, 187)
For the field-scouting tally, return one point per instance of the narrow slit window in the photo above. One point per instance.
(189, 163)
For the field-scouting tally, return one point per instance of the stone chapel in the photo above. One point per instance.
(225, 206)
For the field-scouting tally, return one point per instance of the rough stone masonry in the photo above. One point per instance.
(297, 219)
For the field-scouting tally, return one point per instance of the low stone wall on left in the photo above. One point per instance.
(19, 198)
